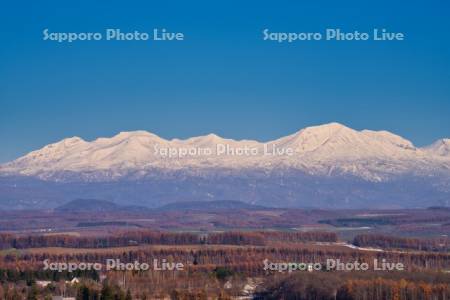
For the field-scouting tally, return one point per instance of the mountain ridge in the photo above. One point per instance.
(330, 166)
(316, 150)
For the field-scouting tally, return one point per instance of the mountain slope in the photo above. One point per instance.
(319, 150)
(318, 166)
(440, 147)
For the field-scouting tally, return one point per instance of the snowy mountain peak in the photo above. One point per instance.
(67, 142)
(440, 147)
(327, 130)
(74, 139)
(336, 141)
(387, 136)
(203, 140)
(311, 138)
(58, 148)
(211, 138)
(329, 126)
(318, 150)
(134, 134)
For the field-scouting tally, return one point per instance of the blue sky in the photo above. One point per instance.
(223, 78)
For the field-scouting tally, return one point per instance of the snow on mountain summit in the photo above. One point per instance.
(323, 149)
(440, 147)
(334, 140)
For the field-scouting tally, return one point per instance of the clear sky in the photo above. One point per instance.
(223, 78)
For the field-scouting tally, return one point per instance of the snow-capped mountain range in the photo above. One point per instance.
(318, 150)
(315, 166)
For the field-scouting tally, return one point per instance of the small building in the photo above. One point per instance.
(43, 283)
(75, 280)
(228, 285)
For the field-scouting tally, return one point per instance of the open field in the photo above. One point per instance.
(433, 222)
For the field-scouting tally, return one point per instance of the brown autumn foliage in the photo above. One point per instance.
(214, 260)
(127, 238)
(352, 286)
(391, 242)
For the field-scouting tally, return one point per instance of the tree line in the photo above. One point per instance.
(353, 286)
(131, 238)
(392, 242)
